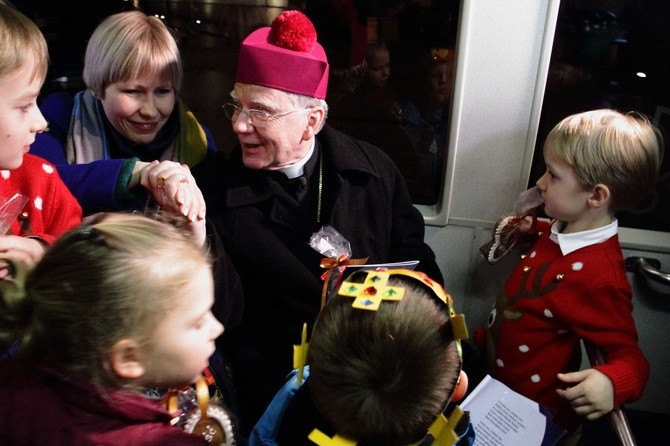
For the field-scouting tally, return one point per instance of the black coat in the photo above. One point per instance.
(266, 230)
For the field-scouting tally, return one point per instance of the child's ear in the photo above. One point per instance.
(124, 360)
(461, 387)
(600, 196)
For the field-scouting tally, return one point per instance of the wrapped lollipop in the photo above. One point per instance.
(508, 230)
(201, 415)
(337, 252)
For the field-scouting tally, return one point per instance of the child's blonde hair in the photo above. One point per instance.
(621, 151)
(22, 42)
(127, 45)
(96, 285)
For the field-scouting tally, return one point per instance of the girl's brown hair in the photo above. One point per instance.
(97, 284)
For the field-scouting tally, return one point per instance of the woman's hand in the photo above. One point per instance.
(174, 189)
(21, 249)
(198, 229)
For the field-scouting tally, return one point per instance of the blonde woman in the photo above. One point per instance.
(128, 137)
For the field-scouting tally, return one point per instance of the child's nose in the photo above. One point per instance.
(40, 124)
(217, 328)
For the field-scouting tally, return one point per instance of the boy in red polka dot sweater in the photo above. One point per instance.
(572, 285)
(50, 209)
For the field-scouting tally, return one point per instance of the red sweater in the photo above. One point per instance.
(551, 301)
(51, 209)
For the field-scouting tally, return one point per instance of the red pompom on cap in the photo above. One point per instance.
(294, 31)
(285, 56)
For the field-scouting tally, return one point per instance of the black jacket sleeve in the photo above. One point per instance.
(228, 293)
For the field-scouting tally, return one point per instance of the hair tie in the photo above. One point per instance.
(88, 233)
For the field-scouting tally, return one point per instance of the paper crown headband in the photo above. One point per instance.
(285, 56)
(369, 294)
(369, 289)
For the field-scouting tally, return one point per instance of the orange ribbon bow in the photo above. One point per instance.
(333, 265)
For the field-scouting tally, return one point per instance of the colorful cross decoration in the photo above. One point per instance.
(370, 294)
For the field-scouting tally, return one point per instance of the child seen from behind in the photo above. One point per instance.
(377, 375)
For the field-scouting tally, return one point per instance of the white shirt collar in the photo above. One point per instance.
(298, 169)
(577, 240)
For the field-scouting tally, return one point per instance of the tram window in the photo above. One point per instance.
(411, 52)
(391, 82)
(613, 54)
(411, 57)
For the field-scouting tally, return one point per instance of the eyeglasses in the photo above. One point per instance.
(258, 118)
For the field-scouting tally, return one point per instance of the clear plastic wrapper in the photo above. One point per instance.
(10, 208)
(529, 199)
(508, 230)
(330, 243)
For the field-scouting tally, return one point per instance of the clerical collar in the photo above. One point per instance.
(298, 169)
